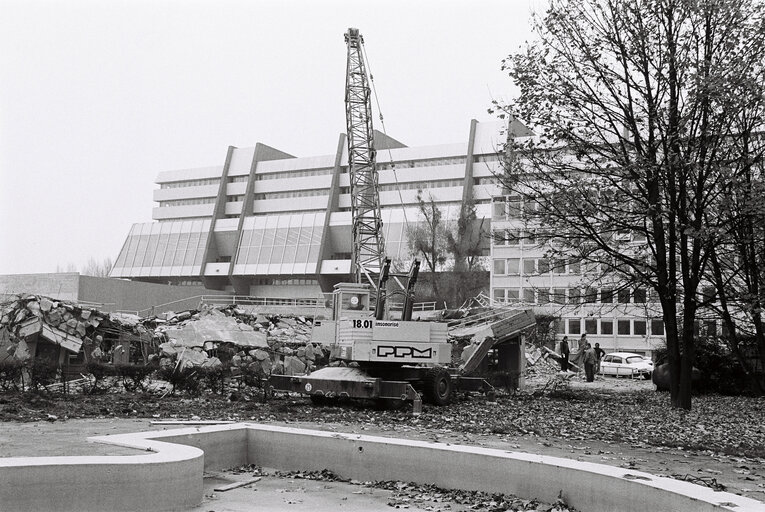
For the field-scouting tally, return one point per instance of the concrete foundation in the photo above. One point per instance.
(170, 478)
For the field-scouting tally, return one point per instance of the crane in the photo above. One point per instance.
(389, 360)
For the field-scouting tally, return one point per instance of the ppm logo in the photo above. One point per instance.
(403, 352)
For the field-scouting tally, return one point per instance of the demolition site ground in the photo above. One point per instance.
(619, 422)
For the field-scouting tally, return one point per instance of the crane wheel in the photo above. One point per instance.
(437, 386)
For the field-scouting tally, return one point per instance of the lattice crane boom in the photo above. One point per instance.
(368, 257)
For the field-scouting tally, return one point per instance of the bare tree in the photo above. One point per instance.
(635, 106)
(96, 268)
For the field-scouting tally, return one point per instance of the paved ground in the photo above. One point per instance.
(738, 474)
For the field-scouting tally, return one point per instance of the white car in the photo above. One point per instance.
(627, 364)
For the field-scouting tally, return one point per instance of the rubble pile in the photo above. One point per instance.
(259, 343)
(73, 327)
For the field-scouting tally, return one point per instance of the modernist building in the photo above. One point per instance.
(268, 224)
(619, 319)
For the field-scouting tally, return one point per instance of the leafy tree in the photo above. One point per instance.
(428, 236)
(635, 106)
(465, 241)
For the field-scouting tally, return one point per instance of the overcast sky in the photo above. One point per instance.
(97, 97)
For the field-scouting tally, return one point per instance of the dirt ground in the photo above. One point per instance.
(738, 474)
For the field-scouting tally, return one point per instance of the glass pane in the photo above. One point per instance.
(499, 295)
(573, 295)
(624, 296)
(514, 206)
(512, 294)
(559, 295)
(513, 266)
(574, 326)
(160, 252)
(280, 239)
(528, 295)
(498, 210)
(276, 254)
(499, 267)
(606, 296)
(591, 325)
(261, 256)
(543, 296)
(623, 327)
(657, 327)
(529, 266)
(191, 250)
(292, 237)
(313, 253)
(268, 237)
(606, 326)
(639, 296)
(180, 251)
(301, 255)
(143, 242)
(151, 251)
(172, 245)
(543, 265)
(639, 326)
(130, 252)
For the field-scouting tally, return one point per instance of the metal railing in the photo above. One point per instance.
(241, 300)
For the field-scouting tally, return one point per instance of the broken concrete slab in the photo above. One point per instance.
(59, 337)
(216, 328)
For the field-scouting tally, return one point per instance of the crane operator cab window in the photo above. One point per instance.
(352, 302)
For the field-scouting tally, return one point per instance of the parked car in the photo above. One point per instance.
(626, 364)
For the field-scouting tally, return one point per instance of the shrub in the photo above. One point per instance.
(42, 372)
(215, 378)
(188, 379)
(101, 372)
(720, 370)
(11, 374)
(133, 375)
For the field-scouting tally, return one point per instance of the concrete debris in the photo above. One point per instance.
(30, 320)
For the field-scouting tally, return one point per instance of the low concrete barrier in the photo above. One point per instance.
(171, 477)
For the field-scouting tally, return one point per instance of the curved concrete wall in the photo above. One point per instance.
(171, 478)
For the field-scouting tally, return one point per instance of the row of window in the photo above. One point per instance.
(493, 157)
(266, 281)
(514, 237)
(301, 173)
(489, 180)
(430, 162)
(162, 250)
(610, 326)
(536, 266)
(187, 202)
(292, 193)
(413, 185)
(574, 295)
(191, 183)
(182, 219)
(238, 179)
(235, 199)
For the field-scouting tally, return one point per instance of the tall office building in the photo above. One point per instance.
(268, 224)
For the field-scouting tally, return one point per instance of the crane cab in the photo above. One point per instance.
(351, 300)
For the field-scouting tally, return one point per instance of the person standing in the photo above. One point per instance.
(564, 352)
(589, 362)
(599, 353)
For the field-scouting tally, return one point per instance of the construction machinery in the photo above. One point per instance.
(389, 360)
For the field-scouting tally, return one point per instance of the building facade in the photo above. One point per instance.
(575, 294)
(269, 224)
